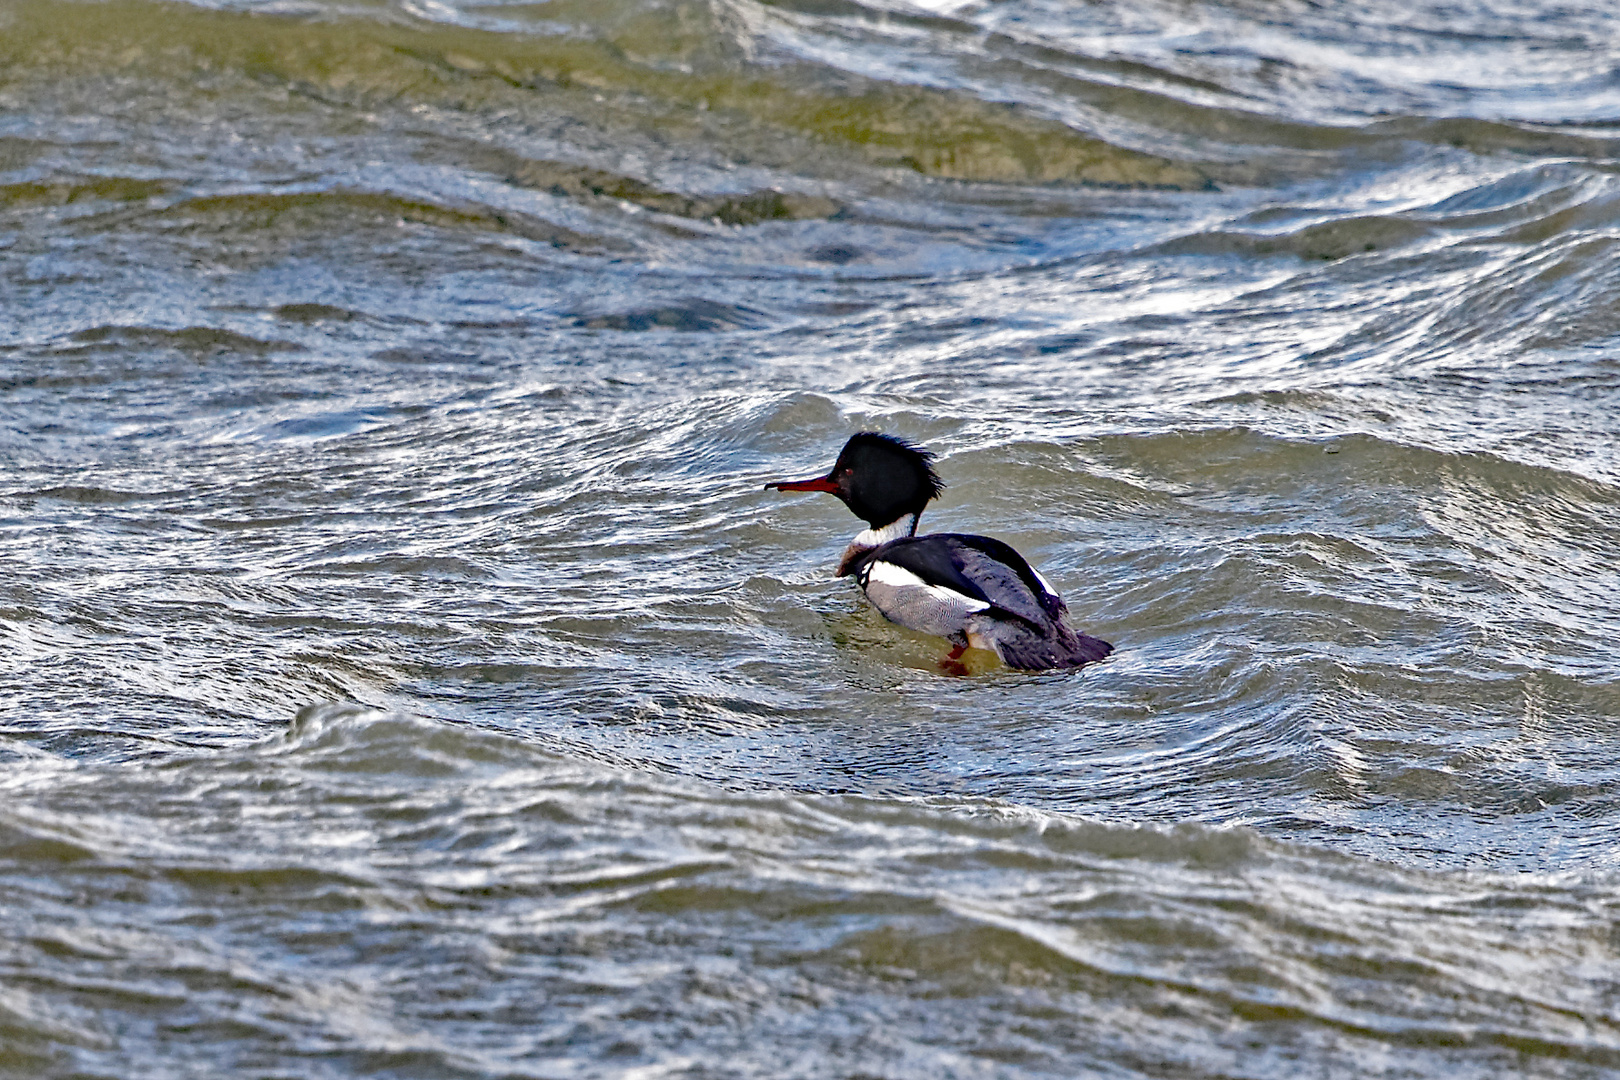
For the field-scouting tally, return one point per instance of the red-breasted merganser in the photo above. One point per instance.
(974, 591)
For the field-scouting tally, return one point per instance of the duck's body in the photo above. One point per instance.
(974, 591)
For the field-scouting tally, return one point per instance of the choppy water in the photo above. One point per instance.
(404, 673)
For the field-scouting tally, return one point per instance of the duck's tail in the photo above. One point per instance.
(1027, 647)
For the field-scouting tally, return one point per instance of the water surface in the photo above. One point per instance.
(405, 674)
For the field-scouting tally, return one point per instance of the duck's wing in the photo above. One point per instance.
(943, 582)
(980, 569)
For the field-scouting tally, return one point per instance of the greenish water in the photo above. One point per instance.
(405, 675)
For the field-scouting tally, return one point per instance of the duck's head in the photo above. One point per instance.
(881, 478)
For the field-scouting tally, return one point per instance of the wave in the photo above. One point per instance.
(612, 81)
(69, 191)
(540, 875)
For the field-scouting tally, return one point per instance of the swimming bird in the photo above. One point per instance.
(974, 591)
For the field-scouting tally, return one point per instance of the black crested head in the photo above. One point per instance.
(882, 478)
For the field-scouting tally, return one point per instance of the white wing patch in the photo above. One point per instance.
(898, 577)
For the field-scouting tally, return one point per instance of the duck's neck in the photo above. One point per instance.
(867, 539)
(905, 525)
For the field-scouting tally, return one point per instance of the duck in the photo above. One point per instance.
(976, 592)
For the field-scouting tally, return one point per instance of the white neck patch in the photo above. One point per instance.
(894, 530)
